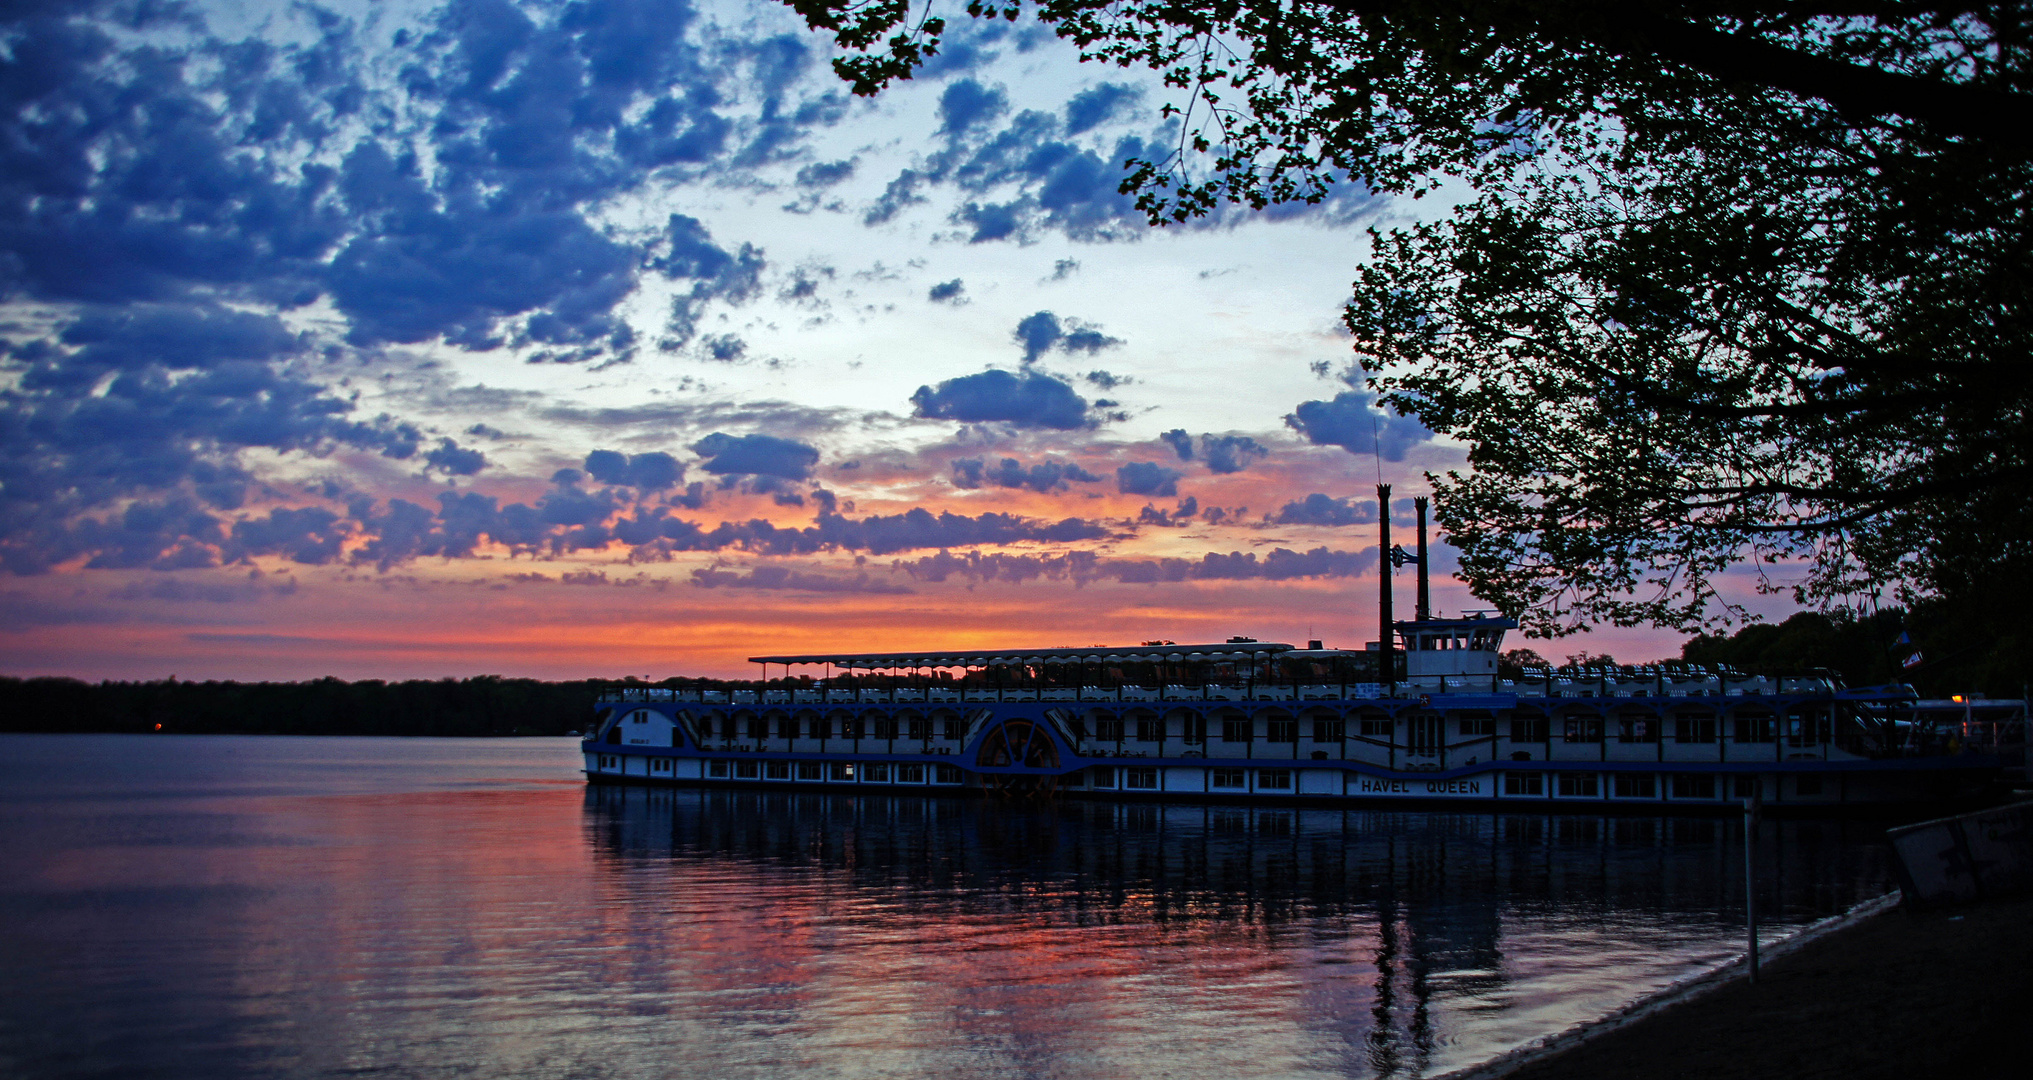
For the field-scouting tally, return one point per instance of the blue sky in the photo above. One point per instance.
(615, 337)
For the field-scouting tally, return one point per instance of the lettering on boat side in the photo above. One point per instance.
(1421, 788)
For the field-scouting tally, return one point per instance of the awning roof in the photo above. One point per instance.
(1174, 654)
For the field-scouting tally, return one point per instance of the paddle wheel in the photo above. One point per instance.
(1020, 744)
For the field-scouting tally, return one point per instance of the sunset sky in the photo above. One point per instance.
(615, 338)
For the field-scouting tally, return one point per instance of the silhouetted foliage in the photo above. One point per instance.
(1960, 649)
(1733, 283)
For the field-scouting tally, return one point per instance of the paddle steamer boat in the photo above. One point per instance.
(1424, 715)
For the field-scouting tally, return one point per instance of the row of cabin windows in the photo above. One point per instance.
(1217, 779)
(1573, 785)
(837, 771)
(758, 728)
(1130, 779)
(1424, 729)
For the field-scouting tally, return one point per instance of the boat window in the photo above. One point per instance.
(843, 770)
(1235, 731)
(1483, 726)
(1374, 728)
(1150, 730)
(1145, 779)
(1193, 730)
(885, 728)
(1108, 730)
(875, 774)
(945, 774)
(1283, 730)
(1329, 730)
(1745, 787)
(910, 774)
(1227, 778)
(1583, 729)
(1577, 785)
(955, 729)
(811, 770)
(1274, 779)
(1694, 730)
(1637, 729)
(744, 770)
(1694, 786)
(717, 769)
(1424, 735)
(1101, 777)
(1528, 729)
(1636, 786)
(920, 729)
(777, 770)
(1807, 784)
(1524, 783)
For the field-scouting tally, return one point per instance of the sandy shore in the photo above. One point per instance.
(1896, 995)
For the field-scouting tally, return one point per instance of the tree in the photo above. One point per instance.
(1738, 280)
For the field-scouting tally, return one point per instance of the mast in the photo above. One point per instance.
(1387, 670)
(1425, 597)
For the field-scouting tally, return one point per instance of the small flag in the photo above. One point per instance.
(1904, 639)
(1911, 661)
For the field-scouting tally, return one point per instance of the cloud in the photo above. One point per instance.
(1097, 105)
(825, 174)
(653, 471)
(1147, 478)
(715, 273)
(455, 460)
(1353, 422)
(785, 578)
(1026, 400)
(1105, 380)
(181, 590)
(1043, 331)
(312, 535)
(948, 292)
(756, 455)
(1318, 509)
(1043, 477)
(656, 530)
(1082, 567)
(1063, 269)
(966, 104)
(1221, 453)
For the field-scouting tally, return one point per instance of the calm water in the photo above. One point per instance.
(229, 906)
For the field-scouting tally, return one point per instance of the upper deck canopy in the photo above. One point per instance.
(1235, 651)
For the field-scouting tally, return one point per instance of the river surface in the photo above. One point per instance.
(227, 906)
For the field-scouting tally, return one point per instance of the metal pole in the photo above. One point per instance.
(1425, 607)
(1751, 803)
(1388, 670)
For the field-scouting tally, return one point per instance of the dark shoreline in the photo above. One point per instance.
(1898, 995)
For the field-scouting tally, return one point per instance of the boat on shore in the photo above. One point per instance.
(1424, 715)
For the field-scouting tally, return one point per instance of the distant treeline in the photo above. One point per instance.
(1949, 654)
(485, 705)
(1954, 657)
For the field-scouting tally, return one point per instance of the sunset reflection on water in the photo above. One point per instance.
(314, 907)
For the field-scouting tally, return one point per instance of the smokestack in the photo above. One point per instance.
(1425, 597)
(1387, 670)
